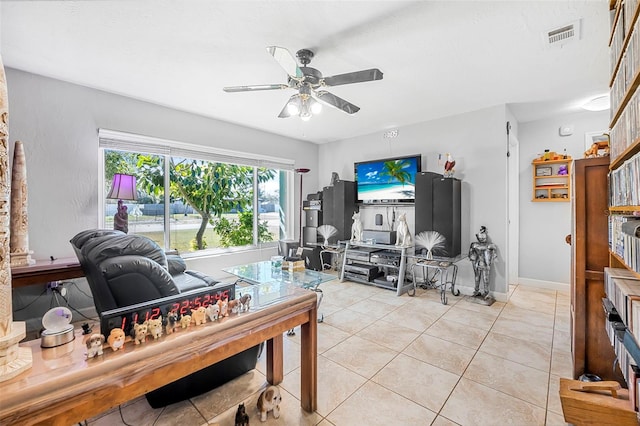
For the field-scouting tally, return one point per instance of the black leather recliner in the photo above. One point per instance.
(124, 270)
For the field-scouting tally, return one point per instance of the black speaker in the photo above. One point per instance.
(438, 208)
(338, 206)
(424, 200)
(313, 218)
(311, 257)
(309, 235)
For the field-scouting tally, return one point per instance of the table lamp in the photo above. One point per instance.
(123, 187)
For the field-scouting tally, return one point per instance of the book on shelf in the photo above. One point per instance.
(624, 183)
(624, 239)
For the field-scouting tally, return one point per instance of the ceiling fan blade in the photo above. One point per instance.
(354, 77)
(334, 101)
(286, 61)
(233, 89)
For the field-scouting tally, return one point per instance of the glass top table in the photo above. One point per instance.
(261, 273)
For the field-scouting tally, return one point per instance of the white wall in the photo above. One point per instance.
(545, 258)
(477, 141)
(58, 122)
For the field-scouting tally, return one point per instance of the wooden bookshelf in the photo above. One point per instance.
(548, 184)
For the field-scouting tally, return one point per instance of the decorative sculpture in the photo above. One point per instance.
(326, 232)
(199, 315)
(154, 328)
(430, 240)
(449, 166)
(185, 321)
(94, 345)
(15, 359)
(482, 254)
(140, 333)
(403, 237)
(334, 178)
(356, 228)
(213, 311)
(121, 218)
(172, 322)
(242, 418)
(19, 241)
(116, 339)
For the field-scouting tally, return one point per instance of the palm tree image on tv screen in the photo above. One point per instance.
(387, 180)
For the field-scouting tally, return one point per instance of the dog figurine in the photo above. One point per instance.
(199, 315)
(269, 400)
(242, 418)
(185, 321)
(213, 311)
(140, 333)
(154, 328)
(94, 345)
(245, 301)
(233, 306)
(116, 339)
(403, 235)
(223, 304)
(172, 322)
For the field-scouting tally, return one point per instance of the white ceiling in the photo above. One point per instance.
(439, 58)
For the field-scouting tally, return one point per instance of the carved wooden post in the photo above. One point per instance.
(19, 241)
(13, 358)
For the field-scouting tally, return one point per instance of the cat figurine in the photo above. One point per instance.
(403, 237)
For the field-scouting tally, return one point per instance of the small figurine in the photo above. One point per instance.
(403, 237)
(121, 218)
(185, 321)
(154, 328)
(94, 345)
(335, 178)
(245, 301)
(199, 315)
(172, 322)
(242, 418)
(562, 170)
(233, 306)
(356, 228)
(223, 304)
(116, 339)
(140, 333)
(269, 400)
(213, 311)
(449, 166)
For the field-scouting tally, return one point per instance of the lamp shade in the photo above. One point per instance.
(123, 187)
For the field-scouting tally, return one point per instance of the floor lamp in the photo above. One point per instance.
(301, 172)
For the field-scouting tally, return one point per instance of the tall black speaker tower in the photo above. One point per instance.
(438, 208)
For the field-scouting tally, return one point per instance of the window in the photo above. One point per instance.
(192, 198)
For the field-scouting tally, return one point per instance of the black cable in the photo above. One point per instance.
(80, 290)
(32, 302)
(81, 314)
(122, 417)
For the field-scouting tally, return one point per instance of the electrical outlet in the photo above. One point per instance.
(56, 286)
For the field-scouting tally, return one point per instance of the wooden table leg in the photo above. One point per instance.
(275, 371)
(309, 363)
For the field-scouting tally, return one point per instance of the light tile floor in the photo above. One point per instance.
(387, 360)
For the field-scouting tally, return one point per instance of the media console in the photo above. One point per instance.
(381, 265)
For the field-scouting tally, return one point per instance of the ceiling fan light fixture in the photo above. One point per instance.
(293, 106)
(316, 107)
(305, 111)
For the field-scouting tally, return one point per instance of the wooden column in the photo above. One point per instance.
(13, 359)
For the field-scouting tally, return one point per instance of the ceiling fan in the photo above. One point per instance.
(309, 84)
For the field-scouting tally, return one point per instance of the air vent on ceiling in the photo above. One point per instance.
(563, 35)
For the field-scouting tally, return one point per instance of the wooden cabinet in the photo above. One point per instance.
(551, 180)
(590, 345)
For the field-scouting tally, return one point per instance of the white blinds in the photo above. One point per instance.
(122, 141)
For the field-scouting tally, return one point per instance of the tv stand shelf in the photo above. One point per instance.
(379, 258)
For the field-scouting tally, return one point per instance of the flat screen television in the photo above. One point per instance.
(391, 180)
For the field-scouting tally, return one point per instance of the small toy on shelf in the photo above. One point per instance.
(356, 228)
(94, 345)
(154, 328)
(242, 418)
(449, 166)
(269, 400)
(233, 306)
(199, 315)
(213, 311)
(185, 321)
(245, 301)
(223, 304)
(116, 339)
(172, 322)
(562, 170)
(140, 333)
